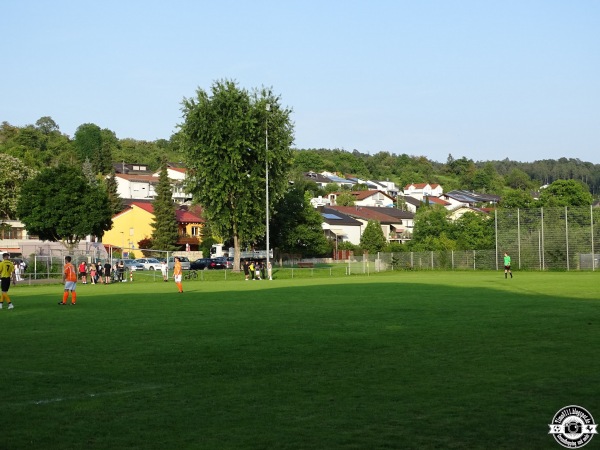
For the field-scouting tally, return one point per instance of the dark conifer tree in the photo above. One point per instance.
(164, 235)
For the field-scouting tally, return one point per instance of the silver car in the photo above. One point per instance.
(185, 263)
(132, 265)
(149, 263)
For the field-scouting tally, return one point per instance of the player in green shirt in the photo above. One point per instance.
(507, 265)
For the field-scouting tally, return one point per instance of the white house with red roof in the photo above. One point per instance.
(141, 185)
(421, 190)
(365, 198)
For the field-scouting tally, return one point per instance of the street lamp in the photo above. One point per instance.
(268, 108)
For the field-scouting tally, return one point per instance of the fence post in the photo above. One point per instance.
(519, 235)
(452, 252)
(567, 234)
(543, 244)
(592, 230)
(496, 227)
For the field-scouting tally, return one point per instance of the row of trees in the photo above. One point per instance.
(231, 140)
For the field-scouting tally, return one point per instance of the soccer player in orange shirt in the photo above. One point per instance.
(70, 280)
(178, 274)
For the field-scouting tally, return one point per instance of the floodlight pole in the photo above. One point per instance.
(268, 108)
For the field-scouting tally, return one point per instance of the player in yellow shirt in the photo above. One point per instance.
(70, 280)
(7, 274)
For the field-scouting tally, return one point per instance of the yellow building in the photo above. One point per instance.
(135, 223)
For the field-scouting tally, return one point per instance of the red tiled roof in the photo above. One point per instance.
(183, 216)
(437, 201)
(366, 213)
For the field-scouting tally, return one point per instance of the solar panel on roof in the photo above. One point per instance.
(331, 216)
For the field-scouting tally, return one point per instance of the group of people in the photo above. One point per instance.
(255, 270)
(101, 273)
(69, 277)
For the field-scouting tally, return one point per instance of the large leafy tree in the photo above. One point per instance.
(60, 205)
(372, 239)
(297, 226)
(474, 231)
(164, 225)
(516, 198)
(13, 174)
(566, 193)
(94, 144)
(432, 229)
(224, 137)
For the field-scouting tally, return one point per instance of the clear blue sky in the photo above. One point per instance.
(485, 79)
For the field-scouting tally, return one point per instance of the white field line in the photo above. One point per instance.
(91, 395)
(131, 390)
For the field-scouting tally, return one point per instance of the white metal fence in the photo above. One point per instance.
(564, 238)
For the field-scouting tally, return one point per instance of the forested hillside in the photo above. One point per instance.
(43, 144)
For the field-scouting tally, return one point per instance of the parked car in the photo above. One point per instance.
(226, 261)
(149, 263)
(185, 263)
(199, 264)
(207, 264)
(132, 265)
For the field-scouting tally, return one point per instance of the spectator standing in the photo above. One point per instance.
(83, 272)
(7, 274)
(17, 271)
(120, 270)
(93, 273)
(257, 267)
(164, 269)
(107, 268)
(246, 270)
(251, 269)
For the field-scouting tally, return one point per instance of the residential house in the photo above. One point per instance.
(365, 198)
(15, 239)
(389, 187)
(420, 190)
(135, 181)
(437, 201)
(334, 178)
(467, 198)
(396, 225)
(321, 180)
(136, 186)
(132, 168)
(319, 201)
(12, 233)
(340, 227)
(135, 223)
(407, 203)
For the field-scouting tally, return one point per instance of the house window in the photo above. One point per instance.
(195, 231)
(11, 233)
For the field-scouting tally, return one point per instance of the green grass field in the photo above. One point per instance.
(446, 360)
